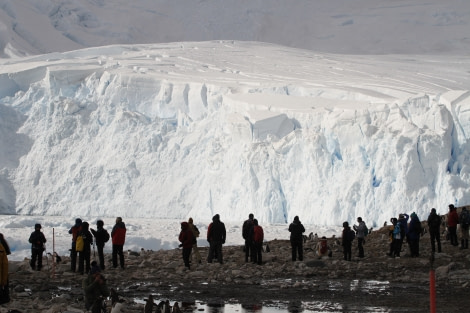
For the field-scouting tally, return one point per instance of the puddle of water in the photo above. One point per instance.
(280, 307)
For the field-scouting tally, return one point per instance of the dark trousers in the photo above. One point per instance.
(257, 255)
(186, 255)
(117, 250)
(297, 249)
(73, 258)
(215, 249)
(435, 237)
(397, 243)
(100, 255)
(347, 251)
(249, 250)
(453, 236)
(414, 247)
(36, 255)
(84, 261)
(360, 247)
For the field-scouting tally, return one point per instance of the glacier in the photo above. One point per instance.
(233, 127)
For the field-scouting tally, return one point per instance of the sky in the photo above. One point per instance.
(155, 111)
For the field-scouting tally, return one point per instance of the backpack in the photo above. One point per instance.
(195, 231)
(79, 243)
(323, 247)
(397, 231)
(105, 235)
(418, 228)
(366, 230)
(247, 225)
(465, 217)
(351, 235)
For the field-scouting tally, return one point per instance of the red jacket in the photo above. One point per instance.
(258, 234)
(186, 236)
(119, 234)
(453, 219)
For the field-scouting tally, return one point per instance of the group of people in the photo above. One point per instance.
(411, 231)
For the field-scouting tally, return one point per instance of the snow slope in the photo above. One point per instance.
(335, 26)
(197, 128)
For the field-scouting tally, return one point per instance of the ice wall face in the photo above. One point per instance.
(178, 130)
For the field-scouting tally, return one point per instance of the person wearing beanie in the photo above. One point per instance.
(247, 234)
(452, 222)
(118, 235)
(94, 286)
(216, 235)
(347, 238)
(101, 237)
(85, 254)
(74, 230)
(296, 230)
(194, 251)
(37, 240)
(186, 238)
(434, 225)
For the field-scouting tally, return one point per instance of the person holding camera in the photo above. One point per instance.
(94, 289)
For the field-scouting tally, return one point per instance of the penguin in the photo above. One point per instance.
(149, 304)
(176, 308)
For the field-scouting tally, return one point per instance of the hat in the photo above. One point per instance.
(296, 218)
(37, 226)
(94, 268)
(78, 222)
(433, 210)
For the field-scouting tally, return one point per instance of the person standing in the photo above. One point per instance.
(94, 288)
(452, 221)
(360, 234)
(464, 221)
(247, 233)
(346, 241)
(37, 240)
(118, 235)
(296, 230)
(414, 233)
(74, 230)
(4, 281)
(216, 235)
(84, 253)
(258, 237)
(195, 231)
(434, 225)
(186, 238)
(101, 237)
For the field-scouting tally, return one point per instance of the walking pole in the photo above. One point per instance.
(53, 252)
(432, 286)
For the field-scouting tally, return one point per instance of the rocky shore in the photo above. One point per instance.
(376, 283)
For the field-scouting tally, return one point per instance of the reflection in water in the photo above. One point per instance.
(295, 307)
(370, 287)
(215, 306)
(251, 308)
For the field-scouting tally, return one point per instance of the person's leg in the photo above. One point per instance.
(87, 256)
(81, 261)
(101, 256)
(114, 254)
(294, 250)
(300, 251)
(73, 258)
(121, 255)
(34, 256)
